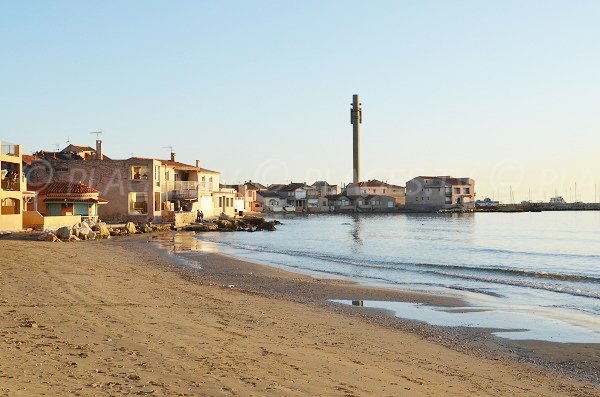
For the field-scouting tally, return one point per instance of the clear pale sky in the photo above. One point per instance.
(506, 92)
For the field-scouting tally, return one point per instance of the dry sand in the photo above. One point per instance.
(116, 318)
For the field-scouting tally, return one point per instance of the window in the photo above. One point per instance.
(467, 190)
(210, 179)
(220, 201)
(138, 203)
(139, 172)
(203, 179)
(456, 190)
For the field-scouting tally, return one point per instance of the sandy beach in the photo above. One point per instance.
(123, 317)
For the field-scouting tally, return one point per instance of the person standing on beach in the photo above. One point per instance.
(199, 216)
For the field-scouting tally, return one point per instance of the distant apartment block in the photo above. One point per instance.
(440, 192)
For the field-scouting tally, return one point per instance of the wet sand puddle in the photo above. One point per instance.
(516, 325)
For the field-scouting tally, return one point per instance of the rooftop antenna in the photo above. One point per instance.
(98, 133)
(170, 147)
(68, 140)
(57, 147)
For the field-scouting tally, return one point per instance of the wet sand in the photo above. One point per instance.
(121, 317)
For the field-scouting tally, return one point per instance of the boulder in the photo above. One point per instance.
(90, 223)
(63, 233)
(203, 227)
(269, 226)
(74, 238)
(253, 220)
(91, 235)
(48, 236)
(130, 227)
(101, 230)
(225, 224)
(84, 230)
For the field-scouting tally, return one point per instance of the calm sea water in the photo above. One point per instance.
(520, 269)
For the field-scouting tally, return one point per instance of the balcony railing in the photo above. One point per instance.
(188, 185)
(10, 149)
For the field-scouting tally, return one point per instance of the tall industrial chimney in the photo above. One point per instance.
(99, 155)
(355, 120)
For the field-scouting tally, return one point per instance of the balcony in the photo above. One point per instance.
(11, 185)
(10, 174)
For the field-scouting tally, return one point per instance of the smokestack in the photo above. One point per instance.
(198, 163)
(173, 156)
(99, 155)
(356, 120)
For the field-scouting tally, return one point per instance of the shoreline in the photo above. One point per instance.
(122, 316)
(578, 360)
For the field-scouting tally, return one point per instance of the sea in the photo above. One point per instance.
(531, 276)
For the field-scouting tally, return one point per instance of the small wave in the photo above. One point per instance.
(468, 273)
(526, 273)
(546, 287)
(396, 265)
(535, 253)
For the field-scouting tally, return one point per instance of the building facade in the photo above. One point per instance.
(142, 189)
(13, 195)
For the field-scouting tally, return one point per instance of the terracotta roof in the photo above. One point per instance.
(255, 185)
(177, 164)
(293, 186)
(448, 180)
(63, 188)
(75, 200)
(376, 183)
(269, 193)
(275, 186)
(27, 158)
(85, 148)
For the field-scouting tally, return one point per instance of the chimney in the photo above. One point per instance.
(198, 163)
(99, 155)
(173, 156)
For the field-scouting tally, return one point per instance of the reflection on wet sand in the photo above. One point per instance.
(182, 242)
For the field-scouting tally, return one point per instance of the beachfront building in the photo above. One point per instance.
(143, 189)
(341, 202)
(13, 194)
(248, 192)
(431, 193)
(66, 199)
